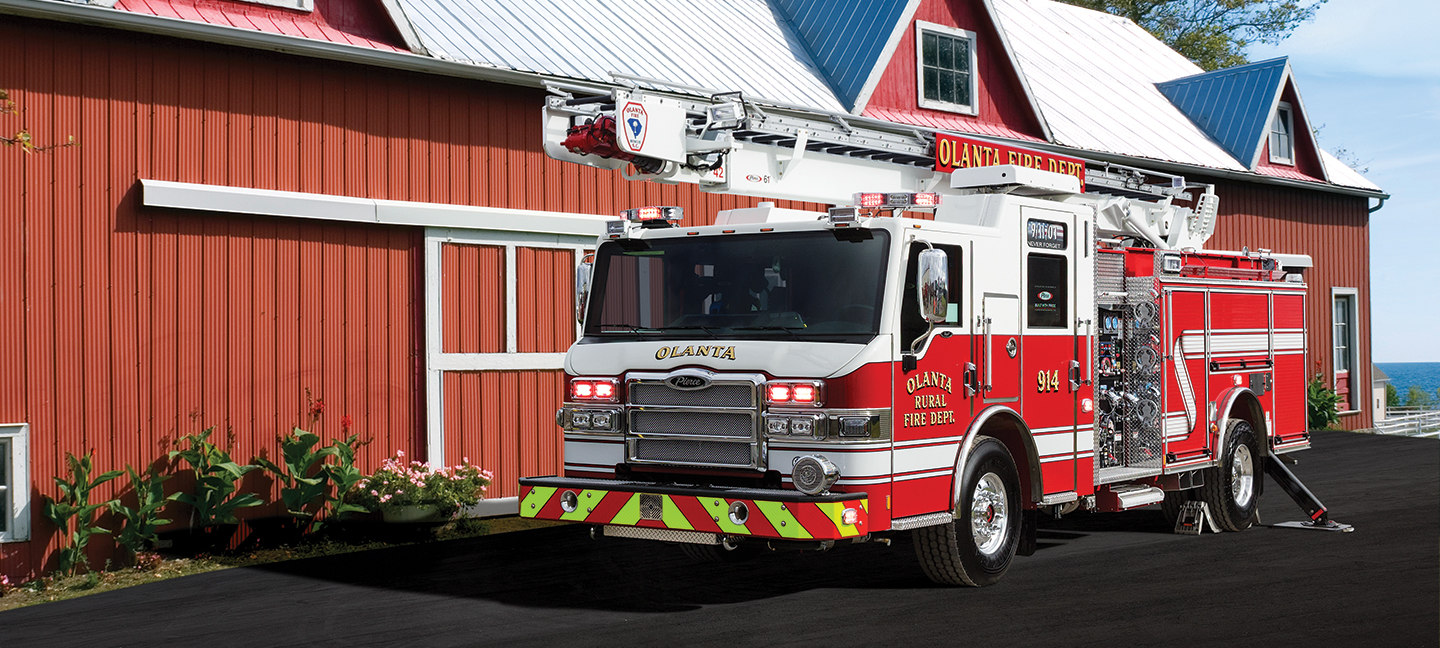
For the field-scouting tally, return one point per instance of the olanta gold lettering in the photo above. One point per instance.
(723, 353)
(928, 379)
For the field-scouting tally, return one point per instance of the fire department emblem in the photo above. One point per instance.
(634, 120)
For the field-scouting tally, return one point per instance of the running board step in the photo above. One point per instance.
(1123, 497)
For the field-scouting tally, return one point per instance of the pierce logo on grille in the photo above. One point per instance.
(688, 383)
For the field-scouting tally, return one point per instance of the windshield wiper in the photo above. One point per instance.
(633, 329)
(707, 329)
(787, 329)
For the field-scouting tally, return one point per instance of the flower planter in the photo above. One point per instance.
(413, 514)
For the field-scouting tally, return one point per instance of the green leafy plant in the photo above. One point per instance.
(74, 504)
(345, 475)
(399, 483)
(214, 500)
(142, 521)
(305, 483)
(1320, 402)
(1417, 397)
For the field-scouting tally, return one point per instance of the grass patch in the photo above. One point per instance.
(45, 590)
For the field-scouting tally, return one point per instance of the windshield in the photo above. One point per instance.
(819, 285)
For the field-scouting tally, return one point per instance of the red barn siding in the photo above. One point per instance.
(1003, 107)
(545, 322)
(504, 421)
(1334, 230)
(472, 297)
(127, 327)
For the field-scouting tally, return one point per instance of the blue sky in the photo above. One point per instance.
(1369, 70)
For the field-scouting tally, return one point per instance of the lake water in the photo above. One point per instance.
(1404, 374)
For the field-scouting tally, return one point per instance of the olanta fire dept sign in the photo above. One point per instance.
(952, 152)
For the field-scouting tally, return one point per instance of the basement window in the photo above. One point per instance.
(1282, 135)
(14, 482)
(945, 68)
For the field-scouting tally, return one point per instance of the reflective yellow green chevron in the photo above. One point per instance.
(708, 514)
(784, 522)
(630, 513)
(719, 511)
(535, 500)
(834, 510)
(587, 500)
(672, 517)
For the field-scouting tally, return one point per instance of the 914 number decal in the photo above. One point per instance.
(1047, 381)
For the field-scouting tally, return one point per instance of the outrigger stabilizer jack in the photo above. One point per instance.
(1319, 515)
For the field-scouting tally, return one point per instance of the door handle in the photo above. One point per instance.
(1074, 375)
(970, 380)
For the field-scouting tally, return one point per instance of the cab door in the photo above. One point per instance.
(1055, 380)
(932, 405)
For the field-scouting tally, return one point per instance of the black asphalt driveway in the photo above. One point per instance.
(1098, 580)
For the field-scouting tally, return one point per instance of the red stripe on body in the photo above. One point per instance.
(608, 507)
(551, 510)
(695, 513)
(820, 526)
(758, 524)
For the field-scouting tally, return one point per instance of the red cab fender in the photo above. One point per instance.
(1006, 425)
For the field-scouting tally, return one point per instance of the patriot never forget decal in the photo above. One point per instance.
(1045, 234)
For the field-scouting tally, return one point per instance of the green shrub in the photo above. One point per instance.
(214, 500)
(1320, 401)
(74, 504)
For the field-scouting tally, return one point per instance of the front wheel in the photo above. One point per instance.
(1232, 488)
(977, 547)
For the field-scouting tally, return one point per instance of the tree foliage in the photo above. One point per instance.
(1417, 397)
(22, 138)
(1212, 33)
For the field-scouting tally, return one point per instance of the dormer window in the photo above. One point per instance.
(945, 67)
(1282, 135)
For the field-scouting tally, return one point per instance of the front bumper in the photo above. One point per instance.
(774, 514)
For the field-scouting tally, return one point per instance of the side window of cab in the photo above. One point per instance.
(912, 325)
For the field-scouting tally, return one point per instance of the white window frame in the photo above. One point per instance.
(298, 5)
(437, 361)
(15, 498)
(1286, 110)
(920, 28)
(1352, 300)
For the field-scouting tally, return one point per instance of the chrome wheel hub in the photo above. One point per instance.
(989, 514)
(1242, 476)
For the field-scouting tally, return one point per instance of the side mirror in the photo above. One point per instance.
(582, 288)
(934, 285)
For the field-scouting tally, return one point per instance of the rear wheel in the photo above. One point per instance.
(1232, 488)
(977, 547)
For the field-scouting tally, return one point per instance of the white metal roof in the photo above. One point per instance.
(721, 44)
(1094, 77)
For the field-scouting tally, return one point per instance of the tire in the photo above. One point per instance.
(980, 544)
(723, 553)
(1232, 489)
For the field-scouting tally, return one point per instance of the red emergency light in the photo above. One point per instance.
(595, 389)
(808, 393)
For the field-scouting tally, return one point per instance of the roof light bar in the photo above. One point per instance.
(651, 214)
(897, 200)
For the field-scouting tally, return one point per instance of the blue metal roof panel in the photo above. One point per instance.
(726, 45)
(845, 39)
(1232, 105)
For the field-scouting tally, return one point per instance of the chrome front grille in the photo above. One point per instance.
(727, 424)
(709, 453)
(718, 425)
(716, 395)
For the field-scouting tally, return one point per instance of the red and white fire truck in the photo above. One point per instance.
(952, 355)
